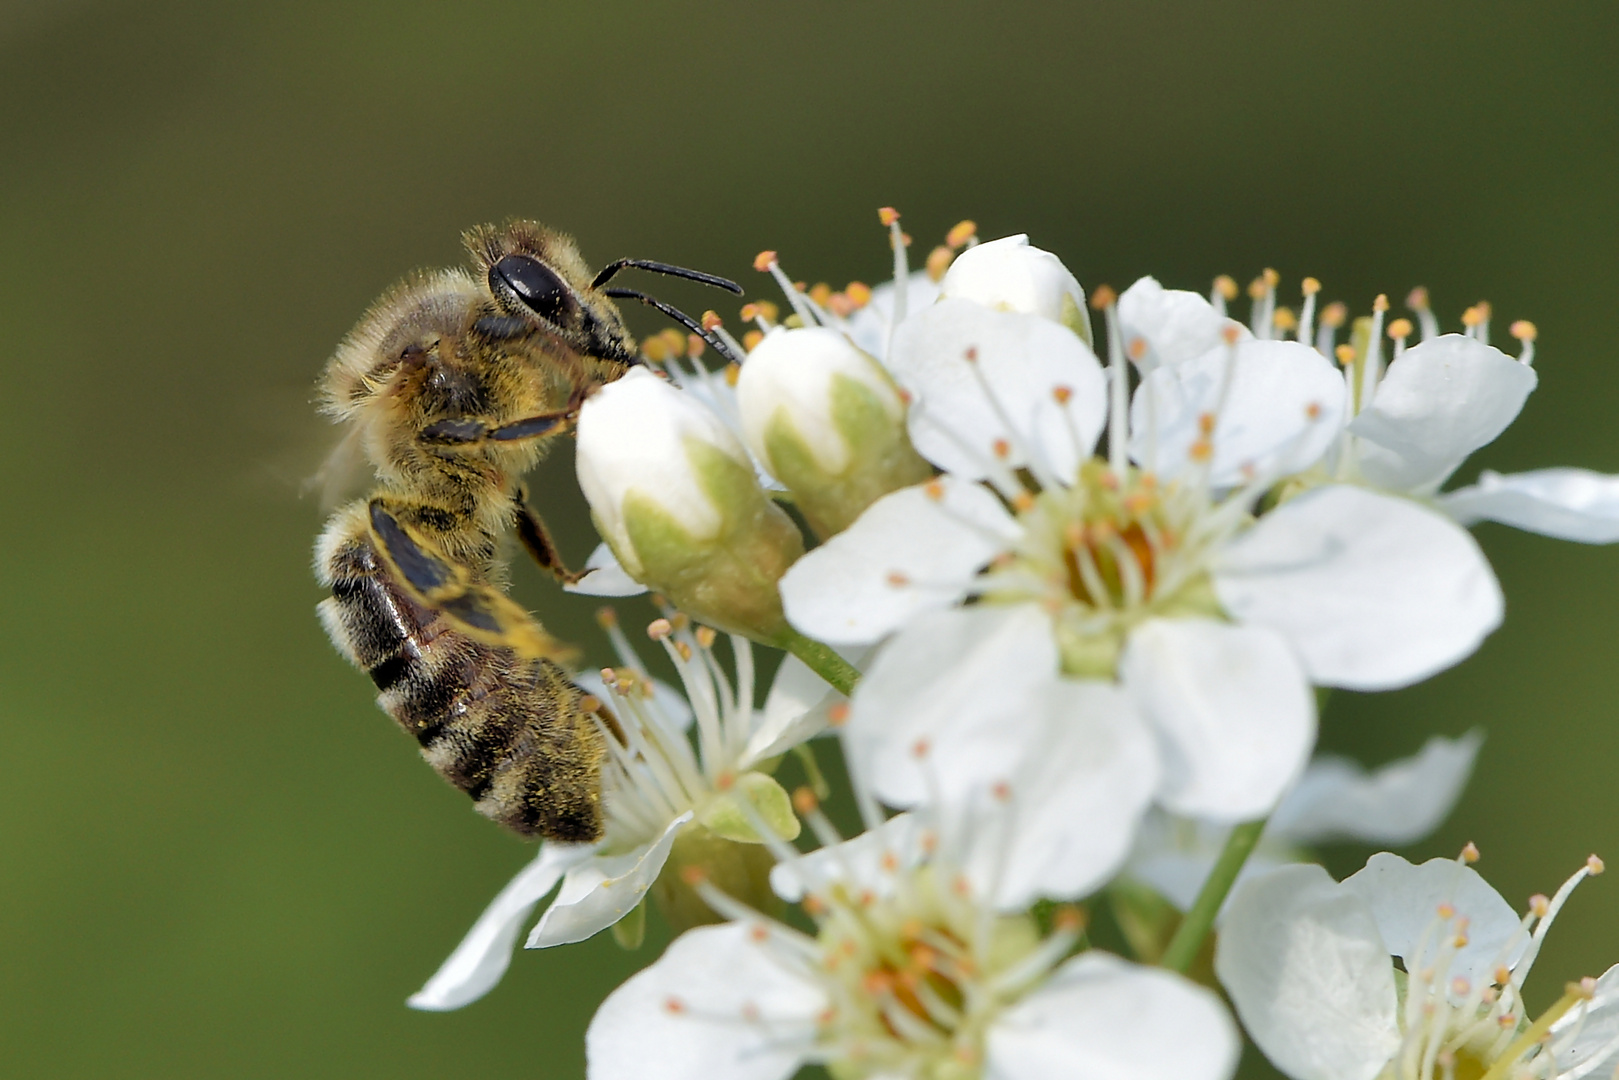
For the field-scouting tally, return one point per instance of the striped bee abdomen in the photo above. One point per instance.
(509, 731)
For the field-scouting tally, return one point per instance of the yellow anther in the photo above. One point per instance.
(1001, 448)
(1205, 423)
(1523, 330)
(1062, 394)
(1103, 297)
(606, 618)
(1472, 316)
(1312, 411)
(695, 345)
(683, 650)
(859, 293)
(1417, 298)
(1226, 286)
(1381, 303)
(840, 305)
(1484, 309)
(960, 233)
(706, 636)
(1594, 865)
(804, 801)
(1345, 354)
(751, 339)
(1310, 286)
(673, 340)
(1202, 450)
(655, 350)
(820, 292)
(764, 260)
(658, 629)
(1334, 314)
(1023, 502)
(711, 319)
(733, 372)
(1447, 911)
(1256, 289)
(838, 714)
(1285, 320)
(589, 703)
(887, 215)
(1539, 905)
(1399, 328)
(1270, 277)
(1503, 975)
(939, 260)
(1470, 853)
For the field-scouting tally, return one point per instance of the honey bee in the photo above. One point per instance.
(453, 385)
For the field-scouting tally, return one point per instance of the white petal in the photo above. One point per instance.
(1586, 1041)
(795, 709)
(1570, 504)
(1175, 855)
(1176, 325)
(1025, 358)
(868, 327)
(1283, 409)
(1010, 274)
(906, 554)
(605, 577)
(1374, 591)
(962, 682)
(1397, 803)
(1234, 714)
(478, 963)
(1088, 772)
(1404, 900)
(1099, 1018)
(598, 893)
(718, 1005)
(1309, 975)
(1438, 403)
(867, 863)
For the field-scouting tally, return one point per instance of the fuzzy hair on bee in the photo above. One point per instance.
(453, 385)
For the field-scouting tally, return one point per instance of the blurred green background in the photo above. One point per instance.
(217, 858)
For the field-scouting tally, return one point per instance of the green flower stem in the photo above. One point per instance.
(1188, 940)
(837, 671)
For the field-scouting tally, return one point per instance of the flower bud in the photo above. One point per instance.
(828, 422)
(1011, 275)
(675, 496)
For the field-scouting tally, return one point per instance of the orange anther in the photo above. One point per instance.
(1523, 330)
(695, 345)
(1001, 448)
(1103, 297)
(1417, 299)
(606, 618)
(1472, 317)
(1400, 328)
(1594, 865)
(838, 714)
(804, 801)
(1381, 303)
(658, 629)
(1023, 502)
(764, 260)
(751, 339)
(1257, 289)
(1270, 277)
(674, 1005)
(934, 489)
(821, 293)
(939, 260)
(887, 215)
(1062, 394)
(960, 233)
(693, 875)
(706, 636)
(1284, 319)
(1226, 286)
(859, 293)
(1231, 333)
(1310, 286)
(897, 579)
(1345, 354)
(1335, 314)
(733, 374)
(711, 319)
(1137, 349)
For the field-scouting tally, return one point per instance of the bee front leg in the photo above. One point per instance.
(537, 540)
(468, 431)
(437, 581)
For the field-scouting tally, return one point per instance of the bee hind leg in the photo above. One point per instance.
(473, 606)
(537, 541)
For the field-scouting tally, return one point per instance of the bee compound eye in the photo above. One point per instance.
(535, 285)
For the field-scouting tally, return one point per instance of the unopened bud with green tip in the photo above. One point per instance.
(1010, 274)
(675, 495)
(828, 422)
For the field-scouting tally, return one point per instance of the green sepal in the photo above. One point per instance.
(630, 931)
(726, 818)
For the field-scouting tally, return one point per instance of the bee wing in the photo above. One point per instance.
(344, 473)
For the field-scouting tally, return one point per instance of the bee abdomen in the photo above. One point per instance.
(508, 731)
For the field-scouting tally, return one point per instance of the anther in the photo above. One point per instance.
(589, 703)
(1417, 298)
(1472, 317)
(1284, 320)
(1068, 919)
(1205, 423)
(1523, 330)
(838, 714)
(934, 489)
(1335, 314)
(1539, 905)
(609, 676)
(960, 233)
(1062, 394)
(1460, 986)
(1002, 449)
(674, 1006)
(1313, 410)
(1023, 502)
(654, 349)
(897, 579)
(658, 629)
(971, 355)
(1447, 911)
(859, 293)
(1231, 333)
(1137, 349)
(887, 215)
(1002, 791)
(1399, 328)
(1345, 354)
(1256, 289)
(821, 293)
(1103, 297)
(938, 262)
(1226, 286)
(764, 261)
(606, 618)
(725, 781)
(1594, 865)
(759, 933)
(1381, 303)
(706, 636)
(890, 862)
(804, 801)
(695, 345)
(751, 339)
(1270, 277)
(1470, 853)
(683, 649)
(711, 320)
(1310, 286)
(693, 875)
(1503, 975)
(919, 749)
(733, 374)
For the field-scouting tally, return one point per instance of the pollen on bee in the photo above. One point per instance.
(764, 261)
(960, 233)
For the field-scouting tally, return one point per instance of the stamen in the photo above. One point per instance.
(1310, 288)
(1417, 301)
(902, 271)
(939, 260)
(1221, 293)
(1525, 332)
(1333, 316)
(1398, 331)
(961, 234)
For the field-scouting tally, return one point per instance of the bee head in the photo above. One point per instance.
(536, 274)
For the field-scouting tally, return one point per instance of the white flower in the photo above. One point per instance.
(1010, 274)
(674, 494)
(1153, 574)
(1173, 325)
(827, 421)
(1336, 800)
(654, 786)
(1307, 962)
(910, 972)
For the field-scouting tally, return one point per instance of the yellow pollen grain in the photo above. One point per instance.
(887, 215)
(764, 261)
(821, 293)
(1523, 330)
(1345, 354)
(859, 293)
(1226, 286)
(1399, 328)
(1310, 286)
(751, 339)
(960, 233)
(939, 260)
(1103, 297)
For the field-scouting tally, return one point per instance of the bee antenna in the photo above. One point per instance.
(715, 280)
(678, 316)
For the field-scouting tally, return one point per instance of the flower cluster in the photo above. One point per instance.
(1067, 578)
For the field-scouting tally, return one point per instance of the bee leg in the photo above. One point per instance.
(475, 607)
(466, 431)
(537, 539)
